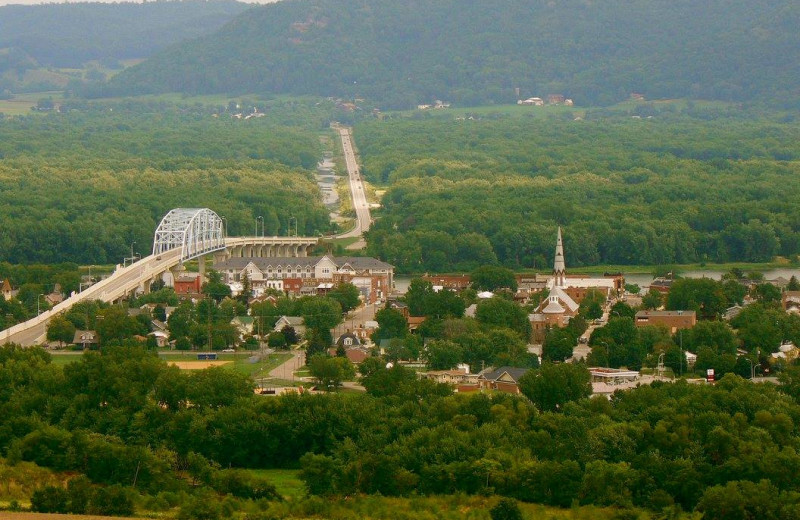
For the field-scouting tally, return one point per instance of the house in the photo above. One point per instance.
(348, 339)
(86, 338)
(555, 99)
(635, 96)
(187, 284)
(452, 282)
(790, 301)
(158, 326)
(504, 379)
(244, 324)
(674, 320)
(414, 322)
(459, 376)
(661, 284)
(787, 351)
(534, 101)
(162, 338)
(7, 291)
(732, 312)
(296, 322)
(55, 297)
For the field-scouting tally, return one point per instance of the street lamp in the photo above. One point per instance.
(224, 227)
(262, 223)
(132, 257)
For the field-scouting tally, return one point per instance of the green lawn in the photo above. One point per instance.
(286, 481)
(241, 360)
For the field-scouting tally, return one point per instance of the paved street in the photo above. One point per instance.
(360, 205)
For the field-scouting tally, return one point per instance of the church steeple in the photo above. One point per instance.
(559, 268)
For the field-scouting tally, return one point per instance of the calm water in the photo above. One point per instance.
(643, 280)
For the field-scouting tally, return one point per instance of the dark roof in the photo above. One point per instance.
(85, 336)
(356, 340)
(644, 314)
(515, 372)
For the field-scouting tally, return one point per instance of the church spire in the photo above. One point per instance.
(559, 268)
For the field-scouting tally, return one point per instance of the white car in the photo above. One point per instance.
(229, 350)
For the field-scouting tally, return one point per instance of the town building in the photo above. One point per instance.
(790, 300)
(504, 379)
(86, 338)
(311, 275)
(566, 293)
(673, 320)
(188, 284)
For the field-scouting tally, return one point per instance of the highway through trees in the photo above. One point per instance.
(360, 204)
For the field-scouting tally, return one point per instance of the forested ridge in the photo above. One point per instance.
(400, 54)
(70, 34)
(150, 433)
(84, 185)
(671, 189)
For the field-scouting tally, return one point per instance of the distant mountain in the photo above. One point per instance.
(401, 53)
(68, 35)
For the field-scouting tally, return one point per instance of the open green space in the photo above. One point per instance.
(286, 481)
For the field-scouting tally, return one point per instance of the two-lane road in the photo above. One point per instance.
(360, 204)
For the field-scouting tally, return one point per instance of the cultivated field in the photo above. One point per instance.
(5, 515)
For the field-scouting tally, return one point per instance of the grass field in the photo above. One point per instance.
(239, 361)
(286, 481)
(21, 104)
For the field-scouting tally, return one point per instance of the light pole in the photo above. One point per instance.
(132, 244)
(224, 227)
(262, 223)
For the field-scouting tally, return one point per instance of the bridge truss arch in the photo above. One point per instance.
(196, 231)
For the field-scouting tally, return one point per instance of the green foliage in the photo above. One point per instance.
(499, 312)
(491, 278)
(404, 58)
(448, 179)
(506, 509)
(392, 324)
(61, 173)
(558, 344)
(702, 295)
(346, 294)
(552, 386)
(329, 372)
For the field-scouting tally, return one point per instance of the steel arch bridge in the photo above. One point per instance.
(196, 231)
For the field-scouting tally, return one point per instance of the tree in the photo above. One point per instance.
(702, 295)
(652, 300)
(491, 278)
(215, 287)
(290, 334)
(321, 313)
(551, 386)
(506, 509)
(346, 294)
(329, 372)
(444, 355)
(117, 325)
(558, 345)
(60, 329)
(499, 312)
(50, 499)
(391, 324)
(622, 310)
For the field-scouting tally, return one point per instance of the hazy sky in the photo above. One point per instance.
(31, 2)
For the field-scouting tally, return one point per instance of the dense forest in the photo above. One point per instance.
(400, 54)
(70, 34)
(82, 186)
(124, 422)
(698, 186)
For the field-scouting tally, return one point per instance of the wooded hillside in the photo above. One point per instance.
(478, 52)
(67, 35)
